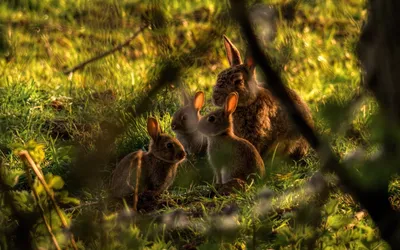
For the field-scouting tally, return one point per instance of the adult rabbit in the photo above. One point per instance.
(259, 117)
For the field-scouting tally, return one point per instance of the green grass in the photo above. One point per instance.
(316, 51)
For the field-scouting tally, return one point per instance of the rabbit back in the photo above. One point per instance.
(265, 123)
(124, 177)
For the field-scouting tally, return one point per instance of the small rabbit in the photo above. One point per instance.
(230, 156)
(154, 170)
(259, 117)
(184, 124)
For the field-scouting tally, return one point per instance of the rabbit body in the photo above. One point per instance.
(148, 171)
(259, 117)
(266, 125)
(155, 175)
(230, 156)
(184, 124)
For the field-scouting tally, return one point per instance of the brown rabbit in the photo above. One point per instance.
(230, 156)
(259, 117)
(184, 124)
(154, 170)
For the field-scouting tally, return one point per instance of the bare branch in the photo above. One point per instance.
(106, 53)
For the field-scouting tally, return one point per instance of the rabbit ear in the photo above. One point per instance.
(185, 97)
(153, 128)
(232, 52)
(198, 100)
(231, 103)
(250, 63)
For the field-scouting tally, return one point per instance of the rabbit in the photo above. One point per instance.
(259, 117)
(184, 124)
(230, 156)
(154, 170)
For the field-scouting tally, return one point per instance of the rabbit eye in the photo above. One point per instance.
(239, 81)
(211, 118)
(169, 145)
(184, 117)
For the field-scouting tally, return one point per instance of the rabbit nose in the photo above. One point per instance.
(181, 154)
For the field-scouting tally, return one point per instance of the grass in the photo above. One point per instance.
(315, 50)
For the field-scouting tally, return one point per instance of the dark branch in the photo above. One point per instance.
(106, 53)
(373, 198)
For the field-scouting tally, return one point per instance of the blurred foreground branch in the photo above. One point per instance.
(374, 198)
(106, 53)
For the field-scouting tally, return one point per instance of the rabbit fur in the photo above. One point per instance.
(230, 156)
(154, 170)
(259, 117)
(184, 124)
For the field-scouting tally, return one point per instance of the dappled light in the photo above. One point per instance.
(199, 124)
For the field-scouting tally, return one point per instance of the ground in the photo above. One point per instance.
(67, 113)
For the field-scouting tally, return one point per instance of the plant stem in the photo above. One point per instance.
(25, 155)
(37, 200)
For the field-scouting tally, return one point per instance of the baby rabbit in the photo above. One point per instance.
(154, 170)
(259, 117)
(230, 156)
(184, 124)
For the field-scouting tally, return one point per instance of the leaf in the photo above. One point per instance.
(10, 176)
(331, 207)
(369, 233)
(38, 187)
(285, 235)
(16, 147)
(23, 201)
(35, 150)
(63, 198)
(338, 221)
(345, 235)
(56, 182)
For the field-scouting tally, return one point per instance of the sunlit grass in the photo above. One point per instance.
(316, 52)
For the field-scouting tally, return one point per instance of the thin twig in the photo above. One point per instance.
(25, 155)
(37, 200)
(87, 204)
(104, 54)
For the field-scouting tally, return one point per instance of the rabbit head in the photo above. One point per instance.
(163, 146)
(219, 121)
(186, 119)
(239, 77)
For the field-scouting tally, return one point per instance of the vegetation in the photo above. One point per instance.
(76, 126)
